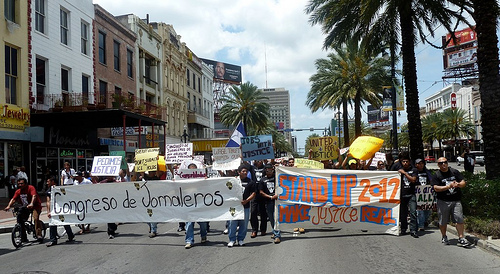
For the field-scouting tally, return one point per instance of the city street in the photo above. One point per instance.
(318, 250)
(477, 168)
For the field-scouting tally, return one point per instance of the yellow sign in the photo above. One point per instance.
(311, 164)
(161, 163)
(324, 148)
(207, 145)
(14, 117)
(146, 159)
(364, 147)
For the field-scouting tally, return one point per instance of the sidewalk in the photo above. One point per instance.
(7, 222)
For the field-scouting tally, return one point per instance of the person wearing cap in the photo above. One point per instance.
(424, 178)
(266, 189)
(408, 200)
(53, 228)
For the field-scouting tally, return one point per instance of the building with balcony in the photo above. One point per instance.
(15, 130)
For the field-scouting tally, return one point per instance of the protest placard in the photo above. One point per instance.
(257, 147)
(176, 153)
(305, 163)
(191, 173)
(426, 199)
(106, 165)
(367, 200)
(379, 156)
(146, 159)
(364, 147)
(324, 148)
(196, 200)
(122, 154)
(226, 158)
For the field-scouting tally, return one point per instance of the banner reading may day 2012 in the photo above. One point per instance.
(367, 200)
(194, 200)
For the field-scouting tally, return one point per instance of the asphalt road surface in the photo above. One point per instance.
(318, 250)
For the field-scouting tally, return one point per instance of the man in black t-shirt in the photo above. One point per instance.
(267, 190)
(469, 161)
(408, 203)
(447, 183)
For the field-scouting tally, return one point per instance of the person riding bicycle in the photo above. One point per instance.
(28, 197)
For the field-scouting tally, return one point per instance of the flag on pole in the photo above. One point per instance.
(238, 132)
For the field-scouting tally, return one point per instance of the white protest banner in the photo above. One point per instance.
(425, 197)
(146, 159)
(257, 147)
(190, 173)
(306, 163)
(196, 200)
(176, 153)
(379, 156)
(212, 173)
(226, 158)
(367, 200)
(106, 165)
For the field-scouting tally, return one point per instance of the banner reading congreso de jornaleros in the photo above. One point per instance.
(193, 200)
(355, 200)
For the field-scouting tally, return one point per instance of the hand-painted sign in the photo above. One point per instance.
(257, 147)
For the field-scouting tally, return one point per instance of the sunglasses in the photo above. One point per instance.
(445, 162)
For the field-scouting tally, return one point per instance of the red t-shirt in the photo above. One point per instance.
(24, 195)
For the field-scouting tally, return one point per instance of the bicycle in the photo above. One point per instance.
(28, 225)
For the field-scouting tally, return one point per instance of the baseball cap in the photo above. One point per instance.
(352, 161)
(268, 166)
(418, 161)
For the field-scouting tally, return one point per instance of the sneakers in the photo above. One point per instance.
(277, 240)
(203, 240)
(254, 234)
(49, 244)
(445, 241)
(181, 229)
(230, 244)
(241, 243)
(111, 237)
(188, 246)
(463, 242)
(70, 240)
(273, 236)
(225, 231)
(153, 234)
(414, 234)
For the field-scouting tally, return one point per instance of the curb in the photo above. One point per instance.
(484, 244)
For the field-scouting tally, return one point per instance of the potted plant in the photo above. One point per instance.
(117, 100)
(58, 106)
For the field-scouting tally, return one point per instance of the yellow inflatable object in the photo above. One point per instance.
(161, 163)
(364, 147)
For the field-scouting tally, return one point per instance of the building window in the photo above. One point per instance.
(130, 55)
(189, 100)
(40, 80)
(116, 55)
(102, 47)
(64, 80)
(10, 75)
(188, 78)
(103, 86)
(10, 10)
(199, 85)
(194, 81)
(64, 27)
(85, 88)
(40, 15)
(85, 38)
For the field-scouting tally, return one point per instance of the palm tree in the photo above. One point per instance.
(455, 123)
(350, 75)
(486, 14)
(365, 130)
(431, 129)
(245, 104)
(376, 20)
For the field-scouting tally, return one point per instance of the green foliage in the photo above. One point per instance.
(481, 197)
(486, 227)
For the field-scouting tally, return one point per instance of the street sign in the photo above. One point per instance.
(453, 96)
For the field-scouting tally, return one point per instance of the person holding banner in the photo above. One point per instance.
(266, 189)
(258, 205)
(53, 228)
(408, 199)
(249, 191)
(67, 175)
(424, 178)
(190, 225)
(447, 183)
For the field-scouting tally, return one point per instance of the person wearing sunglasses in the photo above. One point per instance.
(447, 183)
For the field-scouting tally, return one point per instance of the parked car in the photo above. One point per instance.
(478, 155)
(430, 159)
(480, 159)
(460, 160)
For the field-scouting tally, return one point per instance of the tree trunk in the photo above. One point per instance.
(345, 117)
(410, 77)
(357, 115)
(486, 14)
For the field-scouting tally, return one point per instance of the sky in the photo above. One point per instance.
(267, 33)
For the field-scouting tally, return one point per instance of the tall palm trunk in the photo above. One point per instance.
(345, 117)
(410, 76)
(357, 115)
(486, 14)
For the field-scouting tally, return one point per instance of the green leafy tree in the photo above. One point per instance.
(349, 75)
(431, 129)
(365, 130)
(246, 104)
(376, 20)
(455, 124)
